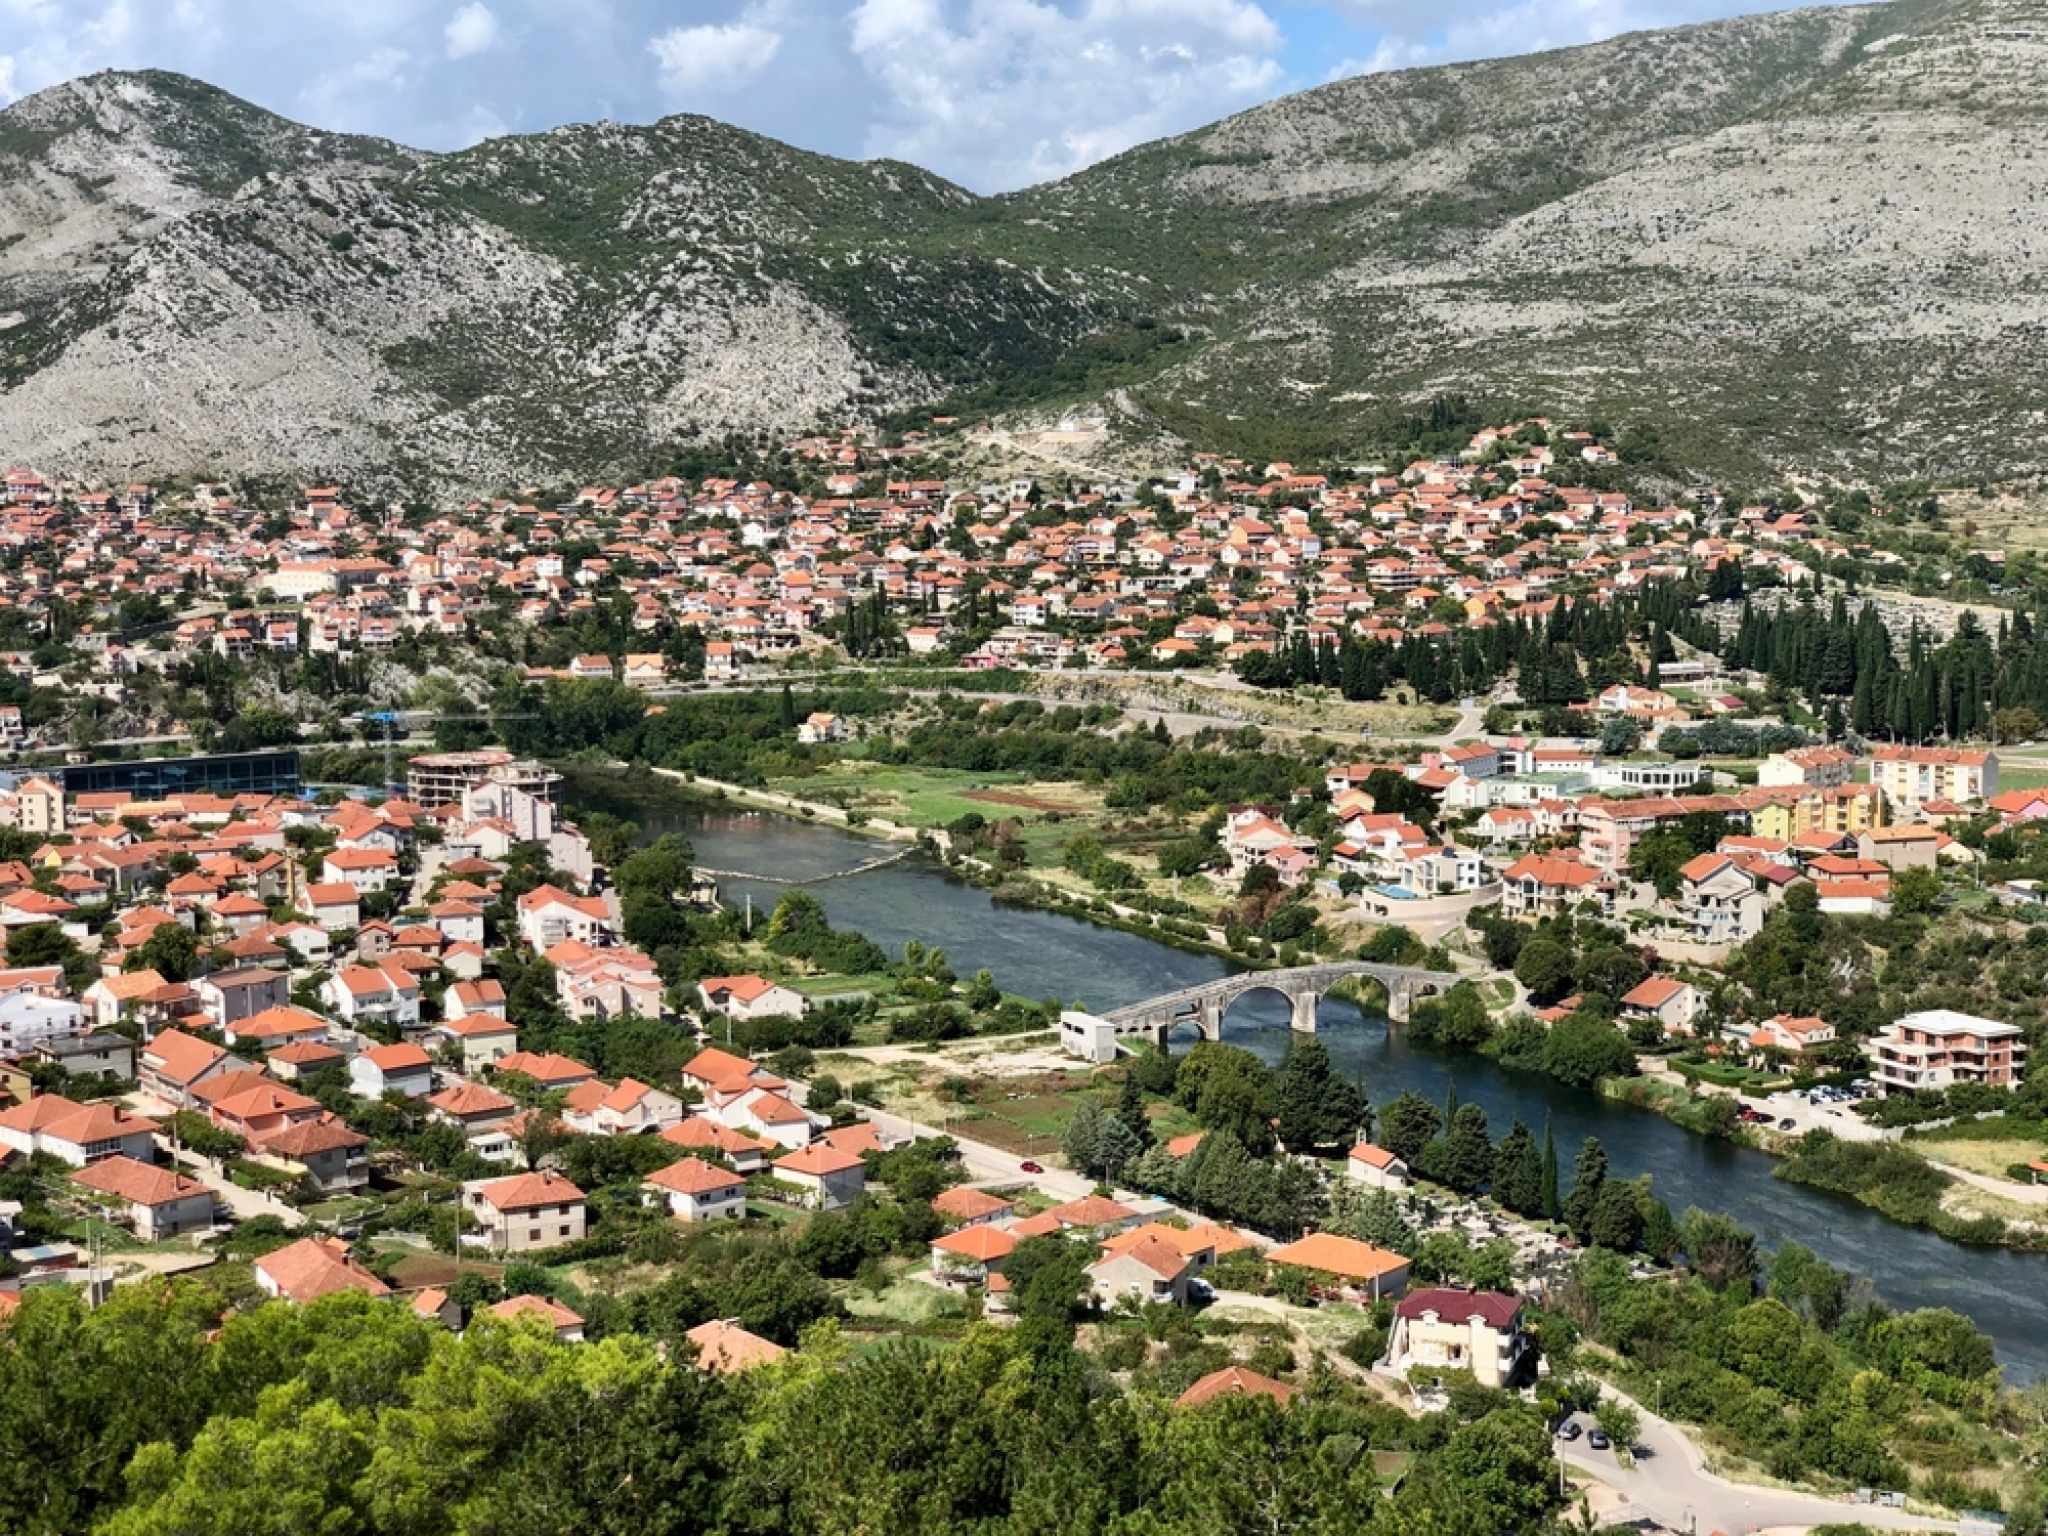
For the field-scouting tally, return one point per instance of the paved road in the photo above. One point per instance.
(245, 1203)
(990, 1164)
(1669, 1482)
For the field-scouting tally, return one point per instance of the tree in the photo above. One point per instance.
(40, 944)
(1407, 1125)
(1620, 1422)
(1116, 1146)
(1316, 1107)
(1617, 1219)
(1588, 1175)
(1517, 1180)
(1545, 967)
(1082, 1139)
(171, 950)
(1130, 1108)
(1915, 891)
(1584, 1048)
(1721, 1251)
(1466, 1159)
(1379, 1221)
(1552, 1205)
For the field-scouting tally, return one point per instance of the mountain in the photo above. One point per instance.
(1804, 242)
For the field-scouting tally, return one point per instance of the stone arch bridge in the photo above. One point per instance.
(1302, 985)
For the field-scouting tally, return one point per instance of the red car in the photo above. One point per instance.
(1033, 1168)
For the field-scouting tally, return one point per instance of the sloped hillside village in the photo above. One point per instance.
(1586, 760)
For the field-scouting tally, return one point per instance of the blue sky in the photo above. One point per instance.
(995, 94)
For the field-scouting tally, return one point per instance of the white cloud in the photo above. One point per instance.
(384, 67)
(704, 60)
(473, 29)
(1019, 91)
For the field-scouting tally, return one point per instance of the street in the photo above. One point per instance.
(1670, 1483)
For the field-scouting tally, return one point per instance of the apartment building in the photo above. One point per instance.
(1939, 1047)
(1913, 775)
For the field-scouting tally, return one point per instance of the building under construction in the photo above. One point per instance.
(439, 778)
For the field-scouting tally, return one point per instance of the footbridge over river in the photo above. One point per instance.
(1303, 986)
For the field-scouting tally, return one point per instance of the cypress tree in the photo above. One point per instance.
(1551, 1204)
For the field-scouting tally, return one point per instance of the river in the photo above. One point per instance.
(1043, 954)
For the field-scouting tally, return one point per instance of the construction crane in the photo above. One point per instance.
(390, 719)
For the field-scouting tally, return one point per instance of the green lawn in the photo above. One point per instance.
(2023, 773)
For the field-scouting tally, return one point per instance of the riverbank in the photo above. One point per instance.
(1006, 886)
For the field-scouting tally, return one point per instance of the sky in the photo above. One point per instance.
(994, 94)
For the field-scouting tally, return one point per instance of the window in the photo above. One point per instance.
(565, 1231)
(533, 1236)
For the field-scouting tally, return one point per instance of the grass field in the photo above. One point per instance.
(2023, 773)
(932, 797)
(1989, 1157)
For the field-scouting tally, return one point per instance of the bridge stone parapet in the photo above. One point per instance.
(1302, 985)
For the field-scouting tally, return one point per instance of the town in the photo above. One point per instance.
(335, 976)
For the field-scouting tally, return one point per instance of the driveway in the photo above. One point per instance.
(1670, 1484)
(245, 1203)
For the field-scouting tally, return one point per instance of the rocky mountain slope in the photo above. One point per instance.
(1811, 241)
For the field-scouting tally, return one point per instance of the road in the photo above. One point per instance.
(1670, 1483)
(245, 1203)
(989, 1164)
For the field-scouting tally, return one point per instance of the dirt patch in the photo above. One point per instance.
(1012, 798)
(416, 1270)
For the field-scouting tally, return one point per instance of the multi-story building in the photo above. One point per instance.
(1807, 768)
(440, 777)
(526, 1211)
(1911, 775)
(1939, 1047)
(1445, 1328)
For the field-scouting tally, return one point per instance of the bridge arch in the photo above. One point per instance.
(1303, 986)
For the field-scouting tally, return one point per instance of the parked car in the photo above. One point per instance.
(1033, 1167)
(1568, 1430)
(1598, 1440)
(1788, 1124)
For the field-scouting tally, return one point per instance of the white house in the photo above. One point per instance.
(829, 1178)
(401, 1068)
(697, 1191)
(750, 997)
(364, 994)
(1376, 1167)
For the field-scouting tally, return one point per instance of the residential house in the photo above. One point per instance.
(566, 1326)
(1797, 1035)
(697, 1191)
(724, 1348)
(632, 1108)
(1346, 1266)
(314, 1267)
(79, 1134)
(229, 996)
(1447, 1328)
(830, 1179)
(1718, 900)
(174, 1064)
(485, 1039)
(1152, 1270)
(1674, 1004)
(157, 1203)
(367, 995)
(401, 1068)
(969, 1254)
(526, 1212)
(330, 1157)
(1545, 885)
(548, 915)
(750, 997)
